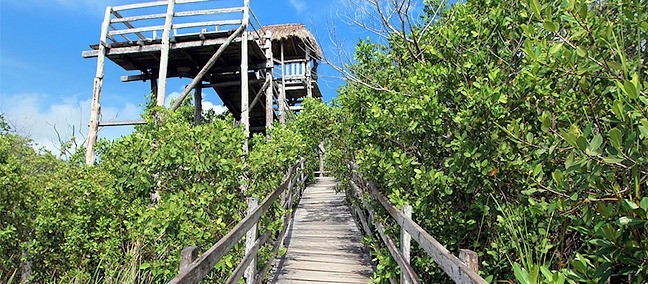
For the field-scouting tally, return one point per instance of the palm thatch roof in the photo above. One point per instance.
(296, 39)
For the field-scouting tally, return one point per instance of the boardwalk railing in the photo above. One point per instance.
(194, 268)
(460, 270)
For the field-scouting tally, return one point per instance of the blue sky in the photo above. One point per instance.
(46, 86)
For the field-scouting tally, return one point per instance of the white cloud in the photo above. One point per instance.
(34, 116)
(299, 5)
(207, 105)
(218, 109)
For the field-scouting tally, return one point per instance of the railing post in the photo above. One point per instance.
(187, 257)
(470, 258)
(321, 158)
(405, 243)
(250, 239)
(25, 269)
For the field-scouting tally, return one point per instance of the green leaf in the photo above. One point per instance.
(643, 128)
(595, 143)
(581, 52)
(529, 138)
(535, 7)
(612, 160)
(625, 221)
(520, 274)
(631, 204)
(644, 203)
(555, 48)
(581, 143)
(616, 138)
(630, 89)
(557, 175)
(550, 26)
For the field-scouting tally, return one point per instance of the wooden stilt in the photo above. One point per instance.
(198, 105)
(154, 86)
(96, 91)
(164, 54)
(282, 94)
(269, 95)
(309, 82)
(245, 96)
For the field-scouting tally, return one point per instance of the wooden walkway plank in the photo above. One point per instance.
(323, 242)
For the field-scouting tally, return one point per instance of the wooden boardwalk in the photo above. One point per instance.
(323, 241)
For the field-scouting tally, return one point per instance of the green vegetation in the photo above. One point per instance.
(99, 224)
(517, 129)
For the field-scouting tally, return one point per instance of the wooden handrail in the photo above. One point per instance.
(455, 268)
(199, 268)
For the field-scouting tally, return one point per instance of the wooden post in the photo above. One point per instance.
(470, 258)
(309, 84)
(164, 54)
(154, 87)
(187, 256)
(269, 95)
(198, 105)
(282, 94)
(25, 269)
(96, 91)
(250, 239)
(406, 240)
(321, 158)
(245, 96)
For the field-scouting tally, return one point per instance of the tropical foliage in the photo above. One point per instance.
(517, 129)
(168, 185)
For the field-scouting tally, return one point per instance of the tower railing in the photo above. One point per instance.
(147, 21)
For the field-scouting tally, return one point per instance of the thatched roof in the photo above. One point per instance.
(296, 38)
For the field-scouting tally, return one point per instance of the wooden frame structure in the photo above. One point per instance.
(220, 47)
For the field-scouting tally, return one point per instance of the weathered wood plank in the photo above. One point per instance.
(152, 4)
(325, 244)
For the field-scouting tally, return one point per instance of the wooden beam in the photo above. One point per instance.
(187, 256)
(240, 269)
(269, 112)
(128, 25)
(396, 255)
(198, 104)
(164, 57)
(405, 243)
(152, 4)
(245, 111)
(231, 83)
(250, 245)
(179, 14)
(121, 123)
(282, 94)
(309, 86)
(206, 68)
(156, 47)
(96, 91)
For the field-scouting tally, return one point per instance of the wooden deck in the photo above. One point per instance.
(324, 242)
